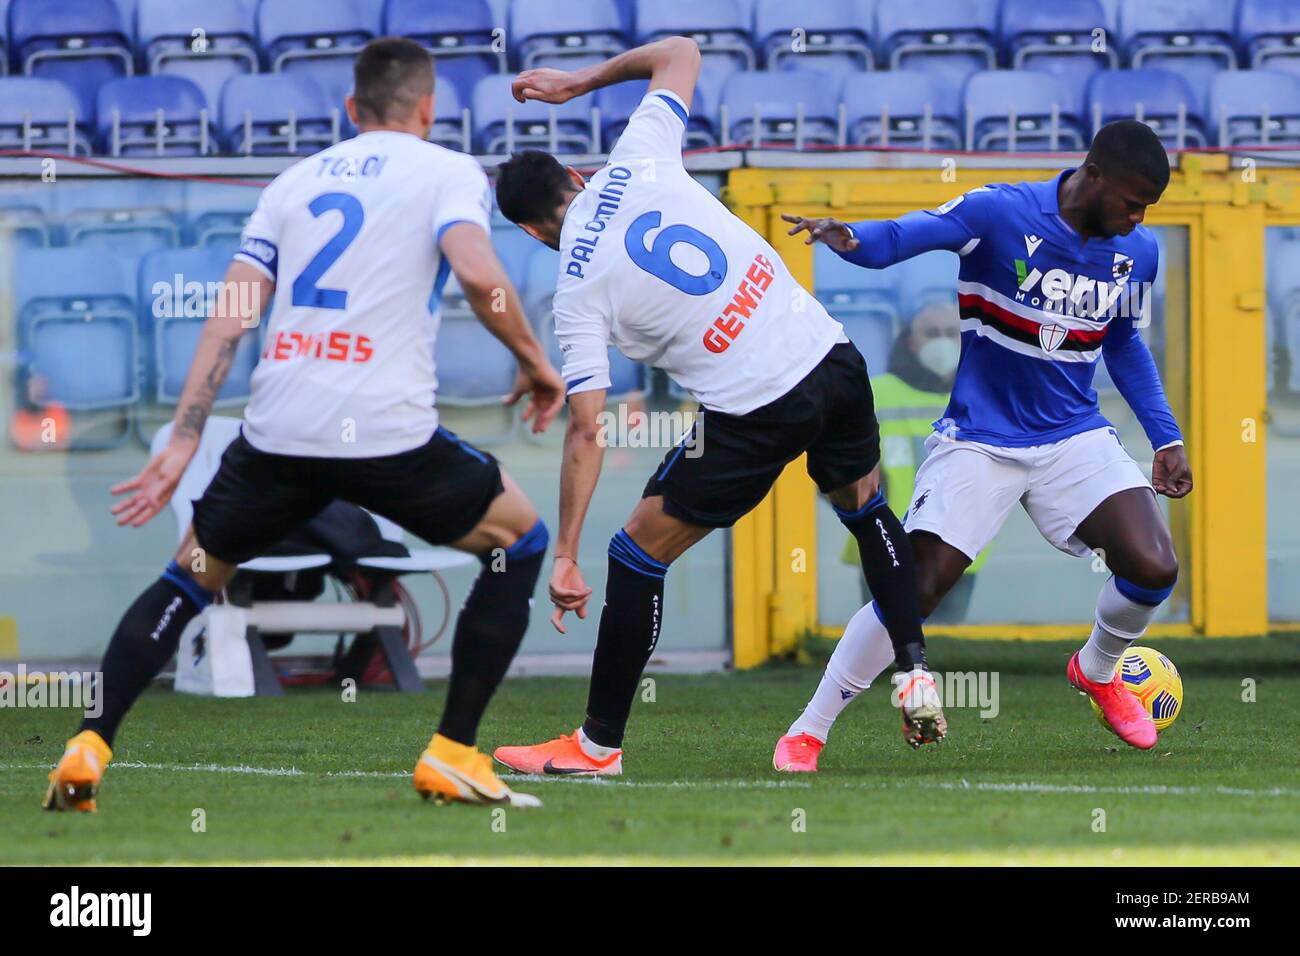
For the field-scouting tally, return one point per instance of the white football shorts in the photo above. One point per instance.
(965, 490)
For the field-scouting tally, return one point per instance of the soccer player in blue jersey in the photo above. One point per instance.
(1054, 275)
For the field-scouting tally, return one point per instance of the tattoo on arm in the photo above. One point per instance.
(191, 421)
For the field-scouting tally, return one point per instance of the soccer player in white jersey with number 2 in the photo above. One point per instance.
(355, 244)
(652, 263)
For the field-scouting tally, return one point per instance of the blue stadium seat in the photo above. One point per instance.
(85, 44)
(459, 32)
(323, 44)
(474, 369)
(720, 27)
(1056, 36)
(1013, 110)
(23, 227)
(449, 126)
(865, 301)
(227, 46)
(76, 327)
(515, 249)
(127, 232)
(566, 35)
(154, 116)
(952, 38)
(836, 34)
(777, 100)
(40, 114)
(1255, 108)
(1193, 38)
(503, 125)
(618, 102)
(176, 291)
(4, 37)
(1269, 32)
(889, 108)
(219, 229)
(284, 115)
(1157, 97)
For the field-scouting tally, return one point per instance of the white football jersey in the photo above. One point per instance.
(652, 263)
(351, 238)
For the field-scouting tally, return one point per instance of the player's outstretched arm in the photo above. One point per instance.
(236, 310)
(492, 296)
(579, 472)
(669, 64)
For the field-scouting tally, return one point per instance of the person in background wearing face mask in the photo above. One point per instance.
(914, 392)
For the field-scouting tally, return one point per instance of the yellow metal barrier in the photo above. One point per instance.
(1215, 376)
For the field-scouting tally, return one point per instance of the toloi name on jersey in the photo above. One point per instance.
(610, 197)
(719, 336)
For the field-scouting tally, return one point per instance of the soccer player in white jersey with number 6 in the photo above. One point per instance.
(652, 263)
(352, 246)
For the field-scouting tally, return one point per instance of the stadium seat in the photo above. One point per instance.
(459, 32)
(836, 35)
(76, 327)
(127, 232)
(1013, 110)
(277, 115)
(901, 108)
(618, 102)
(474, 369)
(1056, 36)
(952, 38)
(1255, 108)
(225, 48)
(322, 45)
(450, 126)
(1193, 38)
(515, 249)
(1269, 32)
(176, 290)
(1158, 98)
(23, 227)
(566, 35)
(720, 27)
(864, 301)
(84, 45)
(219, 229)
(41, 114)
(154, 116)
(504, 125)
(790, 107)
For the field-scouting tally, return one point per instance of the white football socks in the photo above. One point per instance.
(1120, 622)
(594, 750)
(861, 654)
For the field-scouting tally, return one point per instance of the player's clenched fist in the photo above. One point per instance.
(838, 235)
(547, 85)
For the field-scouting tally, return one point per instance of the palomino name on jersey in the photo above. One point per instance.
(1060, 291)
(611, 195)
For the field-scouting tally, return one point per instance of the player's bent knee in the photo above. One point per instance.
(1150, 583)
(532, 542)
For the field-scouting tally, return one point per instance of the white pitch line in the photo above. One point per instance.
(779, 784)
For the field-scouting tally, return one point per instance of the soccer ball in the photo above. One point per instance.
(1154, 679)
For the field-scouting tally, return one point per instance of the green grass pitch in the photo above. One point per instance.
(311, 779)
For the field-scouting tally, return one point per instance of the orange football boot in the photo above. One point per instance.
(453, 772)
(562, 756)
(75, 781)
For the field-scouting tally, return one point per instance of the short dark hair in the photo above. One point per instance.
(530, 186)
(1133, 148)
(389, 77)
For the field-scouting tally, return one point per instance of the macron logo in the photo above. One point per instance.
(131, 910)
(1032, 243)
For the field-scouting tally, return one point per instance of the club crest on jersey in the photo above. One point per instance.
(1123, 267)
(1050, 336)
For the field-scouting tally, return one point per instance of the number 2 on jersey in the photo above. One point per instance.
(305, 290)
(657, 262)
